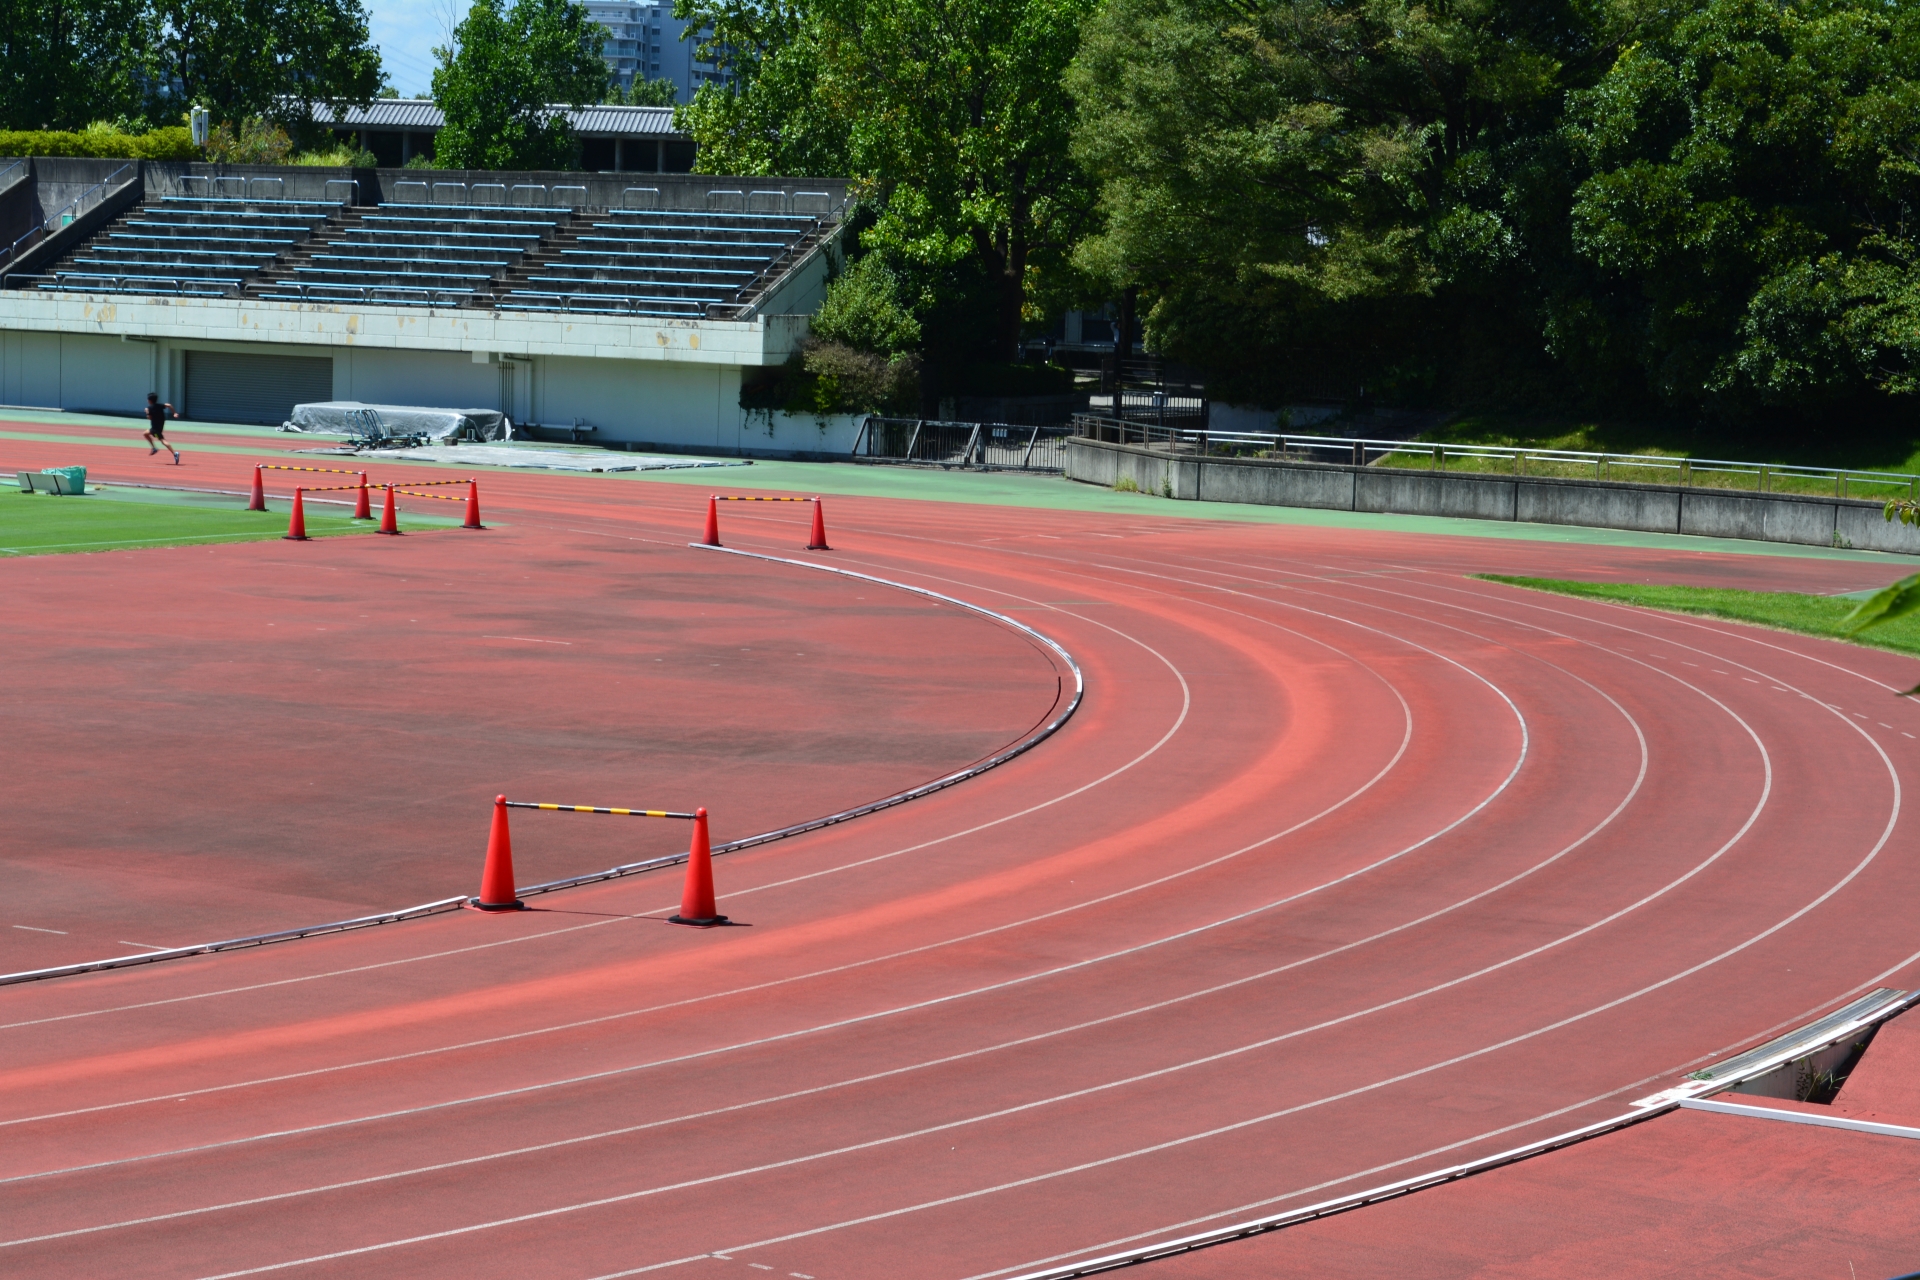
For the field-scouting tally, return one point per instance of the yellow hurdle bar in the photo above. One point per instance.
(331, 471)
(741, 497)
(587, 808)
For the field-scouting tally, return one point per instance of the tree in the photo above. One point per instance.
(508, 68)
(645, 93)
(767, 117)
(1332, 191)
(1750, 211)
(960, 123)
(270, 59)
(65, 64)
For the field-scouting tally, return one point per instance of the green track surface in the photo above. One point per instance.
(994, 488)
(1781, 610)
(112, 519)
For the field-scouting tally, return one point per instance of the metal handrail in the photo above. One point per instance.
(73, 206)
(541, 187)
(1362, 451)
(9, 169)
(330, 183)
(652, 191)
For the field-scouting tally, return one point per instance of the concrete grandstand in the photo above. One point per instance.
(628, 304)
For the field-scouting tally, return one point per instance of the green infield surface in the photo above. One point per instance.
(113, 517)
(1782, 610)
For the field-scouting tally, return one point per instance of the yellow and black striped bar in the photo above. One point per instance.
(428, 484)
(587, 808)
(332, 471)
(742, 497)
(328, 488)
(408, 493)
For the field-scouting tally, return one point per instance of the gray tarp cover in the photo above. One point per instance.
(352, 418)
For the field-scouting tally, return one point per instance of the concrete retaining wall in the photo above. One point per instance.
(1596, 504)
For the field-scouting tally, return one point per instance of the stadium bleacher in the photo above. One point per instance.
(191, 245)
(413, 255)
(652, 262)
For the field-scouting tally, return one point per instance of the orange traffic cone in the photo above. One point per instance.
(297, 522)
(496, 881)
(473, 506)
(817, 540)
(711, 537)
(259, 500)
(361, 511)
(696, 900)
(389, 521)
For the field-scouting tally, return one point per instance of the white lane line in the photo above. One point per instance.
(1184, 1140)
(1238, 1211)
(148, 945)
(1406, 739)
(1156, 1006)
(35, 929)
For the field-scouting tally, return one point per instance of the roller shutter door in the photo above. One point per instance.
(227, 386)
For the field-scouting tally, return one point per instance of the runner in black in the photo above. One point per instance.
(156, 436)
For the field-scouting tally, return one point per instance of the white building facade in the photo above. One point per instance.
(646, 42)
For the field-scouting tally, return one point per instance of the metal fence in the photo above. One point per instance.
(1636, 468)
(983, 446)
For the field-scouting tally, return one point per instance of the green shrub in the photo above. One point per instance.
(831, 377)
(255, 141)
(175, 143)
(419, 162)
(863, 310)
(339, 157)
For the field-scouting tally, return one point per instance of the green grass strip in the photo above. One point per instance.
(1781, 610)
(33, 524)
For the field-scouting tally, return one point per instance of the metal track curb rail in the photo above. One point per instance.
(236, 944)
(1849, 1020)
(1027, 743)
(652, 864)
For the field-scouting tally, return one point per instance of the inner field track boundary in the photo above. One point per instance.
(1025, 744)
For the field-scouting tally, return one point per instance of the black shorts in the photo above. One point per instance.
(157, 430)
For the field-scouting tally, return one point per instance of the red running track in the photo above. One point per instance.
(1347, 867)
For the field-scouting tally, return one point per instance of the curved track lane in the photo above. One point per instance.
(1347, 867)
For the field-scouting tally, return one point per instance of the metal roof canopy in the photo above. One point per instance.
(419, 115)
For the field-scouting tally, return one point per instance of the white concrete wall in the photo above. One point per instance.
(448, 329)
(78, 371)
(678, 405)
(671, 383)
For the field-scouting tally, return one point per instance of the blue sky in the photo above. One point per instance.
(407, 31)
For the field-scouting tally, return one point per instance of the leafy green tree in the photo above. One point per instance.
(1750, 214)
(65, 64)
(506, 70)
(961, 124)
(645, 93)
(1314, 190)
(952, 115)
(767, 117)
(865, 310)
(270, 59)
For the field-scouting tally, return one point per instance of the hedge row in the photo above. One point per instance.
(174, 143)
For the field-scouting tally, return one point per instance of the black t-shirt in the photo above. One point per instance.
(157, 416)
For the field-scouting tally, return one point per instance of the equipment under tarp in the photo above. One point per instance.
(398, 421)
